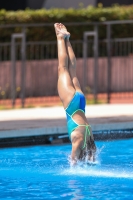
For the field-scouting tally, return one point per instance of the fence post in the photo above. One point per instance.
(96, 64)
(13, 59)
(85, 44)
(85, 50)
(23, 56)
(109, 62)
(13, 71)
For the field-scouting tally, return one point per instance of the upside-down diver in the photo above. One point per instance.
(73, 99)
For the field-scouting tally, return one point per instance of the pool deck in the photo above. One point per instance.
(51, 120)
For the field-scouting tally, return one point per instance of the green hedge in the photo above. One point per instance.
(89, 14)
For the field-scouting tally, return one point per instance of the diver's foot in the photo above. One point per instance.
(64, 30)
(59, 32)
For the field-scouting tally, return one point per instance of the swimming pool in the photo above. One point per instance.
(43, 172)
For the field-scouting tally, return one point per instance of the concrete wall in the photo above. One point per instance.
(35, 4)
(67, 4)
(107, 3)
(41, 76)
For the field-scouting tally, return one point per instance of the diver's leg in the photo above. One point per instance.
(65, 85)
(72, 66)
(71, 61)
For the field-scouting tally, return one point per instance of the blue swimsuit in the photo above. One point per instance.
(77, 103)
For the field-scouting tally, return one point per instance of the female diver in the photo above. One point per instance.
(73, 99)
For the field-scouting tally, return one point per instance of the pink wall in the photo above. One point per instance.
(41, 75)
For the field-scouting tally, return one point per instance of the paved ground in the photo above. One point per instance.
(51, 120)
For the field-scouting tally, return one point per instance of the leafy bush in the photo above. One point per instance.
(46, 33)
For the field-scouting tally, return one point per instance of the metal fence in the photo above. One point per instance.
(28, 70)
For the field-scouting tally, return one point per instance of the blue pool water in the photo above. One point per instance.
(43, 172)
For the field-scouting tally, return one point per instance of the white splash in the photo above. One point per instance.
(96, 171)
